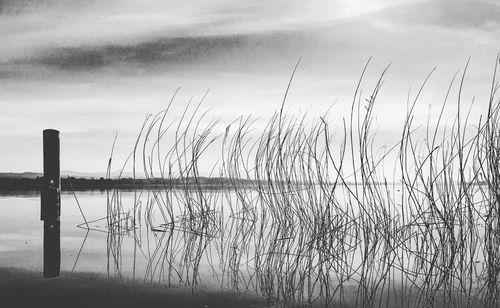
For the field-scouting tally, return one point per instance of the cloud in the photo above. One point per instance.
(228, 53)
(162, 51)
(481, 15)
(134, 33)
(41, 36)
(469, 14)
(15, 7)
(26, 27)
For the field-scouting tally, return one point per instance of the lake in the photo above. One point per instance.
(247, 243)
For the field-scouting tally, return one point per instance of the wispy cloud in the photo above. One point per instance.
(162, 51)
(27, 27)
(49, 35)
(458, 15)
(483, 14)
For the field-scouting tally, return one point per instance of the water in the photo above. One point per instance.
(288, 247)
(213, 246)
(21, 232)
(120, 251)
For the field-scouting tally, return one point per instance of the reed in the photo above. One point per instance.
(308, 215)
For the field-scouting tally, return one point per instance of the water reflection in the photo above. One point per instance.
(224, 240)
(19, 193)
(233, 242)
(51, 248)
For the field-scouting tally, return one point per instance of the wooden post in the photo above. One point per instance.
(51, 204)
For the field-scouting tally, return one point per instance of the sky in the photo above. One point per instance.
(94, 68)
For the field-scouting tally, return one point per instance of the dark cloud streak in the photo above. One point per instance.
(163, 51)
(229, 52)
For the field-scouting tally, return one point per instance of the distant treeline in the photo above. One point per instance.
(68, 183)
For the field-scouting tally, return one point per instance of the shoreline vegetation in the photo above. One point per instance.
(20, 184)
(80, 183)
(17, 182)
(318, 218)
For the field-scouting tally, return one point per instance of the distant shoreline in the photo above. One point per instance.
(79, 183)
(69, 183)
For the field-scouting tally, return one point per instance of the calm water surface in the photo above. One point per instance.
(21, 232)
(222, 240)
(171, 256)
